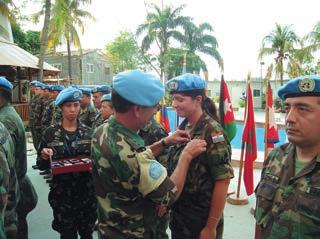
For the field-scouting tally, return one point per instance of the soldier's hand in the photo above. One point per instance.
(46, 153)
(178, 137)
(4, 198)
(194, 148)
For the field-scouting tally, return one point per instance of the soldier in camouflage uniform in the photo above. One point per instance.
(71, 195)
(151, 133)
(133, 189)
(288, 194)
(97, 94)
(14, 124)
(198, 213)
(38, 113)
(36, 92)
(9, 188)
(50, 106)
(105, 112)
(87, 111)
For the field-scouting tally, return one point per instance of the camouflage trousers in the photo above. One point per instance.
(28, 201)
(10, 214)
(183, 227)
(74, 207)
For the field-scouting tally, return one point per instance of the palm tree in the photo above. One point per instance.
(161, 26)
(279, 42)
(44, 36)
(67, 17)
(300, 60)
(197, 40)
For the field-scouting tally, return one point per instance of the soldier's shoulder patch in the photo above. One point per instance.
(217, 137)
(155, 170)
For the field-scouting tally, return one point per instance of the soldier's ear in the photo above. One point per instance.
(136, 110)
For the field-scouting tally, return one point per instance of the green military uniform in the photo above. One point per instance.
(98, 121)
(190, 212)
(33, 103)
(71, 195)
(57, 115)
(47, 114)
(8, 186)
(38, 113)
(130, 184)
(288, 204)
(28, 199)
(151, 133)
(87, 115)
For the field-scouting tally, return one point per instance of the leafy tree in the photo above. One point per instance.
(67, 18)
(161, 26)
(125, 54)
(279, 43)
(29, 41)
(174, 59)
(197, 40)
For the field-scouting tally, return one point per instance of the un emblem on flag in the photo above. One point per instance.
(307, 85)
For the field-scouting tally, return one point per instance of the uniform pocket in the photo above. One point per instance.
(265, 193)
(308, 203)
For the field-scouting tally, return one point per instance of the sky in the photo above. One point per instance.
(239, 26)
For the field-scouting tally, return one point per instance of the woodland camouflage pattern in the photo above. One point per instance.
(129, 191)
(71, 195)
(151, 133)
(8, 185)
(288, 205)
(28, 196)
(190, 212)
(87, 115)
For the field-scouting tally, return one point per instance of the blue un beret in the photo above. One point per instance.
(70, 94)
(101, 88)
(300, 86)
(106, 97)
(56, 88)
(138, 87)
(5, 84)
(86, 91)
(186, 82)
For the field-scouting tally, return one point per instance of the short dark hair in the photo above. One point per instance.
(6, 94)
(120, 104)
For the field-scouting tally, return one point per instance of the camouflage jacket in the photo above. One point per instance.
(98, 121)
(130, 184)
(47, 114)
(38, 111)
(195, 199)
(288, 205)
(65, 144)
(8, 181)
(154, 132)
(12, 121)
(56, 115)
(88, 115)
(33, 102)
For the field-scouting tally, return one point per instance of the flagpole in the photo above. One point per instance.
(266, 127)
(237, 200)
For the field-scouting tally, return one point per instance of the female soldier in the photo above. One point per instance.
(71, 195)
(198, 211)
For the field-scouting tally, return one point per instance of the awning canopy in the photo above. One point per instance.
(12, 55)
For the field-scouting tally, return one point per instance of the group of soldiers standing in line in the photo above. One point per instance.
(144, 179)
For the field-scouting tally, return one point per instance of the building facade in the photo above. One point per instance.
(90, 68)
(237, 88)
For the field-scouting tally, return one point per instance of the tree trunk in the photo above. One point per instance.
(44, 38)
(69, 59)
(281, 72)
